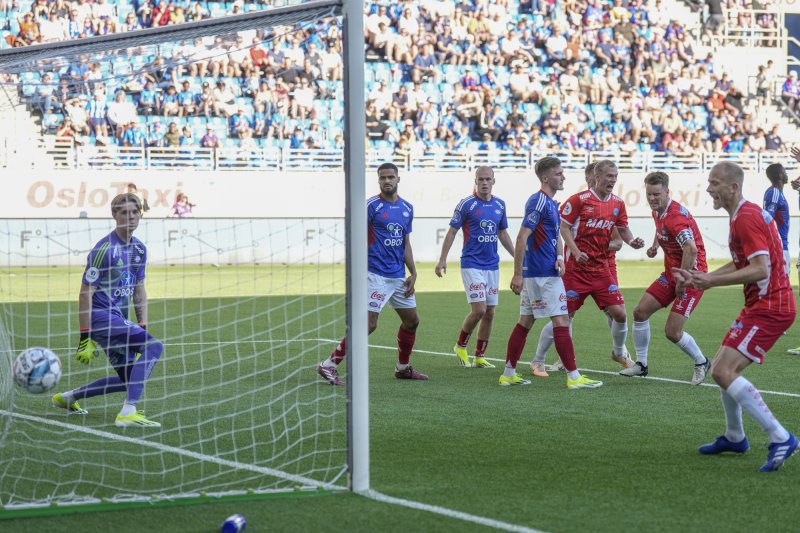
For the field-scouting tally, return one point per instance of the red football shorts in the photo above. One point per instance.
(663, 290)
(753, 333)
(602, 286)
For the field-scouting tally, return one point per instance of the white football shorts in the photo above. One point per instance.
(381, 291)
(543, 297)
(481, 285)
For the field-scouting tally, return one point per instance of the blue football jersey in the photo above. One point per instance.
(543, 218)
(481, 221)
(114, 267)
(775, 202)
(388, 224)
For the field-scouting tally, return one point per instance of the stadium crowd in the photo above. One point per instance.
(442, 76)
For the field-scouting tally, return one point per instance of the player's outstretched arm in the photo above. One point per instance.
(408, 259)
(441, 266)
(653, 250)
(505, 240)
(627, 236)
(519, 258)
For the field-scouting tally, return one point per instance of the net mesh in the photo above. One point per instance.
(246, 309)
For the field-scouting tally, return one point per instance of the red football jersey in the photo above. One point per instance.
(673, 229)
(592, 221)
(753, 232)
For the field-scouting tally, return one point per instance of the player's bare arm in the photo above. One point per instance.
(757, 270)
(408, 259)
(505, 240)
(615, 244)
(519, 258)
(688, 260)
(653, 250)
(140, 302)
(627, 236)
(569, 242)
(560, 266)
(449, 238)
(85, 306)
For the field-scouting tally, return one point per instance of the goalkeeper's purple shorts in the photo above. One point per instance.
(120, 338)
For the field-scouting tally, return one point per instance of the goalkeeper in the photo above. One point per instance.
(114, 275)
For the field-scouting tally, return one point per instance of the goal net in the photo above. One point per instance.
(247, 296)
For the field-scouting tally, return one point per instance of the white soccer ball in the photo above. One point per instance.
(37, 370)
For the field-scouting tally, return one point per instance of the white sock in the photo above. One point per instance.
(619, 332)
(127, 409)
(573, 375)
(690, 348)
(401, 366)
(509, 371)
(641, 340)
(545, 343)
(734, 429)
(750, 399)
(327, 363)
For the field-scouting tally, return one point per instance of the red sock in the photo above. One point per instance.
(463, 338)
(480, 347)
(405, 343)
(516, 342)
(564, 347)
(338, 353)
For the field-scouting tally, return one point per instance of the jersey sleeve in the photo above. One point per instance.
(753, 231)
(97, 265)
(503, 224)
(571, 209)
(140, 272)
(534, 212)
(771, 201)
(680, 226)
(458, 217)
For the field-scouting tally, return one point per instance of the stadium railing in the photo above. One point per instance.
(741, 28)
(51, 153)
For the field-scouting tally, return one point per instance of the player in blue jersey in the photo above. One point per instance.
(538, 267)
(775, 202)
(483, 219)
(389, 220)
(114, 275)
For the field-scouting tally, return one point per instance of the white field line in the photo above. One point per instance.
(444, 511)
(610, 373)
(172, 449)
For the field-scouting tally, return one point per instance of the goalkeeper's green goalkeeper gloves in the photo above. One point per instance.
(87, 348)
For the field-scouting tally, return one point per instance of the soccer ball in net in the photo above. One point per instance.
(37, 370)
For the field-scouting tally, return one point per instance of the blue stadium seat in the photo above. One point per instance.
(51, 121)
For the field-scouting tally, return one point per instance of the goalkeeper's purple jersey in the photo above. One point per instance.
(114, 267)
(388, 223)
(480, 221)
(775, 202)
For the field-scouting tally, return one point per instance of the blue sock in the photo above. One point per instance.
(142, 369)
(106, 385)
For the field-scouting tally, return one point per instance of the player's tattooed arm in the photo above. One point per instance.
(140, 302)
(408, 259)
(449, 238)
(85, 306)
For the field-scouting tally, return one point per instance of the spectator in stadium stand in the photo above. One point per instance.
(239, 123)
(773, 141)
(67, 131)
(133, 189)
(210, 139)
(790, 91)
(96, 108)
(187, 137)
(45, 98)
(172, 138)
(76, 110)
(134, 136)
(120, 112)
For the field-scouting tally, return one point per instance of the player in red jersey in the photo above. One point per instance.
(587, 220)
(546, 336)
(769, 310)
(678, 235)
